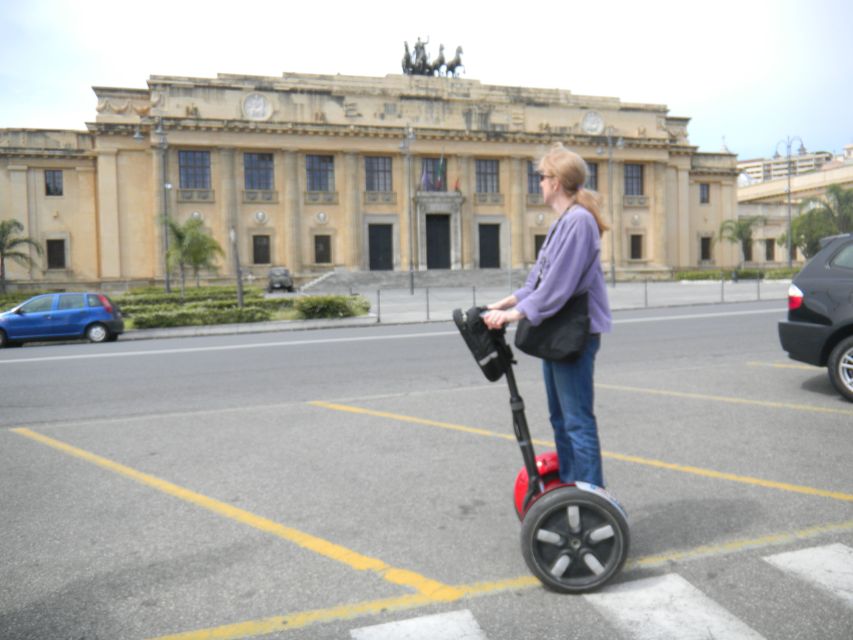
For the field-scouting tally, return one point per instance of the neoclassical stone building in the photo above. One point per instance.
(323, 172)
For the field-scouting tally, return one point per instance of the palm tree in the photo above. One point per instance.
(191, 247)
(739, 231)
(9, 246)
(821, 217)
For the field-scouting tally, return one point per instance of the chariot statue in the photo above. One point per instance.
(417, 63)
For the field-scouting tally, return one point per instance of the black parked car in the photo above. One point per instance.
(279, 278)
(819, 329)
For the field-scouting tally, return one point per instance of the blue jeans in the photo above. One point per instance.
(569, 387)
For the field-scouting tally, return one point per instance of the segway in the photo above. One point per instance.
(574, 537)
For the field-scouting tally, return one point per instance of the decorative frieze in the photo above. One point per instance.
(321, 197)
(488, 198)
(260, 195)
(380, 197)
(635, 201)
(195, 195)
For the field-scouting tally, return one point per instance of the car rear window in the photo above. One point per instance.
(94, 301)
(844, 258)
(71, 301)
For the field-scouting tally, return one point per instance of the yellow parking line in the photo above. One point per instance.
(781, 365)
(300, 620)
(430, 589)
(727, 399)
(660, 464)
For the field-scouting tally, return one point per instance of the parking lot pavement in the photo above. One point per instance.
(321, 511)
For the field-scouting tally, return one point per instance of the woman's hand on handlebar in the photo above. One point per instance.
(497, 318)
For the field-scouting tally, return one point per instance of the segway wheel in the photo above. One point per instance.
(575, 539)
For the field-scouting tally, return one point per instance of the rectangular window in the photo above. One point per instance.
(487, 176)
(258, 171)
(68, 301)
(433, 174)
(261, 250)
(705, 249)
(533, 185)
(194, 168)
(770, 249)
(322, 249)
(538, 241)
(592, 178)
(636, 247)
(633, 179)
(377, 174)
(56, 254)
(704, 193)
(52, 182)
(320, 173)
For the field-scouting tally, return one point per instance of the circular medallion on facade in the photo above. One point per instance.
(196, 215)
(322, 217)
(256, 107)
(540, 219)
(592, 123)
(261, 217)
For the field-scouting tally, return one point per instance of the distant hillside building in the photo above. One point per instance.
(763, 169)
(323, 172)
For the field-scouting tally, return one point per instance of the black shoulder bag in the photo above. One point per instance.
(561, 337)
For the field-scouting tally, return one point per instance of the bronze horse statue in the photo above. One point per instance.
(452, 67)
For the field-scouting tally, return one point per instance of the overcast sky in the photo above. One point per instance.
(752, 72)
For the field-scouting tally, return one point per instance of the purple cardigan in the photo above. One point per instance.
(569, 262)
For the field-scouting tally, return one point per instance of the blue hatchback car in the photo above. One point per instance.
(60, 316)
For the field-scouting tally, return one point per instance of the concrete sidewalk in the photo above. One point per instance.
(435, 304)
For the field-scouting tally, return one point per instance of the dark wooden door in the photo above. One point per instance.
(380, 247)
(490, 246)
(438, 241)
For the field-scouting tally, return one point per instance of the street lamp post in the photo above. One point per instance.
(163, 145)
(407, 183)
(232, 235)
(788, 142)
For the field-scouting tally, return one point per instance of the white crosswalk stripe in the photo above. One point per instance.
(829, 567)
(457, 625)
(667, 608)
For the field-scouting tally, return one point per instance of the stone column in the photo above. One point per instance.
(468, 183)
(352, 212)
(515, 211)
(658, 215)
(109, 231)
(230, 206)
(292, 212)
(19, 194)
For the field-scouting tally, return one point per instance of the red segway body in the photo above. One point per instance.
(549, 472)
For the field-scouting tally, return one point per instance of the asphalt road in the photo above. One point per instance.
(312, 484)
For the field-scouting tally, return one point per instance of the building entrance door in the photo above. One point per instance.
(438, 241)
(490, 246)
(380, 247)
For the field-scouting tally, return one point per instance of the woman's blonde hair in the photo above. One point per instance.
(572, 172)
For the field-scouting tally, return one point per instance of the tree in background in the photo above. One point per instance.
(827, 215)
(9, 248)
(739, 231)
(191, 247)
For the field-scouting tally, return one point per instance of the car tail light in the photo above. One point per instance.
(106, 302)
(795, 297)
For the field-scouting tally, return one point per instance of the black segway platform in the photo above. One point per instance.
(574, 537)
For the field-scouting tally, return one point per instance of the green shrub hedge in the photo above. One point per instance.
(741, 274)
(182, 317)
(331, 306)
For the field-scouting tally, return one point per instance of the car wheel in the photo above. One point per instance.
(3, 340)
(97, 333)
(840, 367)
